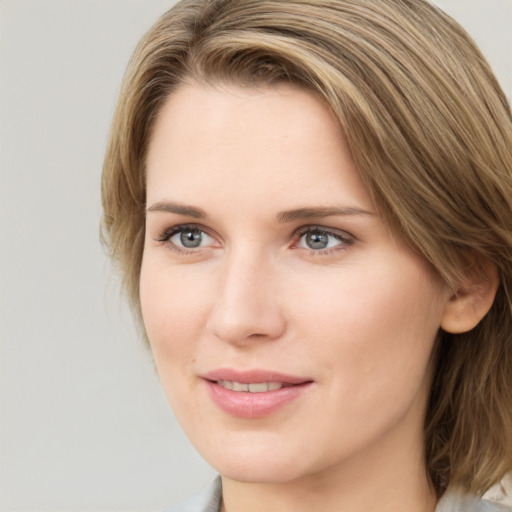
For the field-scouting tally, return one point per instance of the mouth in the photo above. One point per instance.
(252, 387)
(254, 394)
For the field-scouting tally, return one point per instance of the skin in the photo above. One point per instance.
(359, 318)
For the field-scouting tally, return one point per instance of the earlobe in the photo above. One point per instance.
(472, 301)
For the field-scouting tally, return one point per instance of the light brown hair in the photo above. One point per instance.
(431, 133)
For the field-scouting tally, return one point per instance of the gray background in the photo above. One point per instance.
(84, 424)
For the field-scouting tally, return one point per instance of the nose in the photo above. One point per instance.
(246, 306)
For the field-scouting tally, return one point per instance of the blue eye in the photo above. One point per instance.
(187, 237)
(317, 239)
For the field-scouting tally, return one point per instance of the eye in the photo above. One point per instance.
(318, 239)
(186, 238)
(189, 238)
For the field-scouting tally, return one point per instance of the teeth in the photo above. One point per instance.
(238, 386)
(257, 387)
(226, 384)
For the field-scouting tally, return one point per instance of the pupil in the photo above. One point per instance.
(191, 238)
(317, 240)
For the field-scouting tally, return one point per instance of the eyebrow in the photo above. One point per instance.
(318, 213)
(284, 216)
(180, 209)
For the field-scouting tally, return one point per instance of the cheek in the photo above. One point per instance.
(374, 325)
(374, 344)
(172, 310)
(383, 296)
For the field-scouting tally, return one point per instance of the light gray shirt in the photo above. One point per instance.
(210, 499)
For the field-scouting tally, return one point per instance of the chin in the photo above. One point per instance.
(257, 459)
(258, 471)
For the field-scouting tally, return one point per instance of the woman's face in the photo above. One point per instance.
(291, 329)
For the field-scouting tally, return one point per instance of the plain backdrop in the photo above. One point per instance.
(84, 424)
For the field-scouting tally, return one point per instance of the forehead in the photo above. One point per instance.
(221, 118)
(281, 139)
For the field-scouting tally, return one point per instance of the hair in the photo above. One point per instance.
(430, 131)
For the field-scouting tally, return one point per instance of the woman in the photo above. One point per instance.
(311, 206)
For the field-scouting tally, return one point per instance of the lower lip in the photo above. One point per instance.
(243, 404)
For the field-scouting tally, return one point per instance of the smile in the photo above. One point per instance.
(253, 387)
(254, 394)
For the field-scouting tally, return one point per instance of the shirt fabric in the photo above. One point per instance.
(210, 499)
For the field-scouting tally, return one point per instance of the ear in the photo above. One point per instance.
(472, 301)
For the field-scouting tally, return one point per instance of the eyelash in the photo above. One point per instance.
(165, 237)
(345, 239)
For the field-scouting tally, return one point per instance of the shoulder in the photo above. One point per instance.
(458, 501)
(208, 500)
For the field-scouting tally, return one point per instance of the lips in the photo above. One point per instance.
(253, 394)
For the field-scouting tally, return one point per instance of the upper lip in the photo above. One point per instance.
(253, 376)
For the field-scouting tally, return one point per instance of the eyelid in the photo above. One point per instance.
(339, 233)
